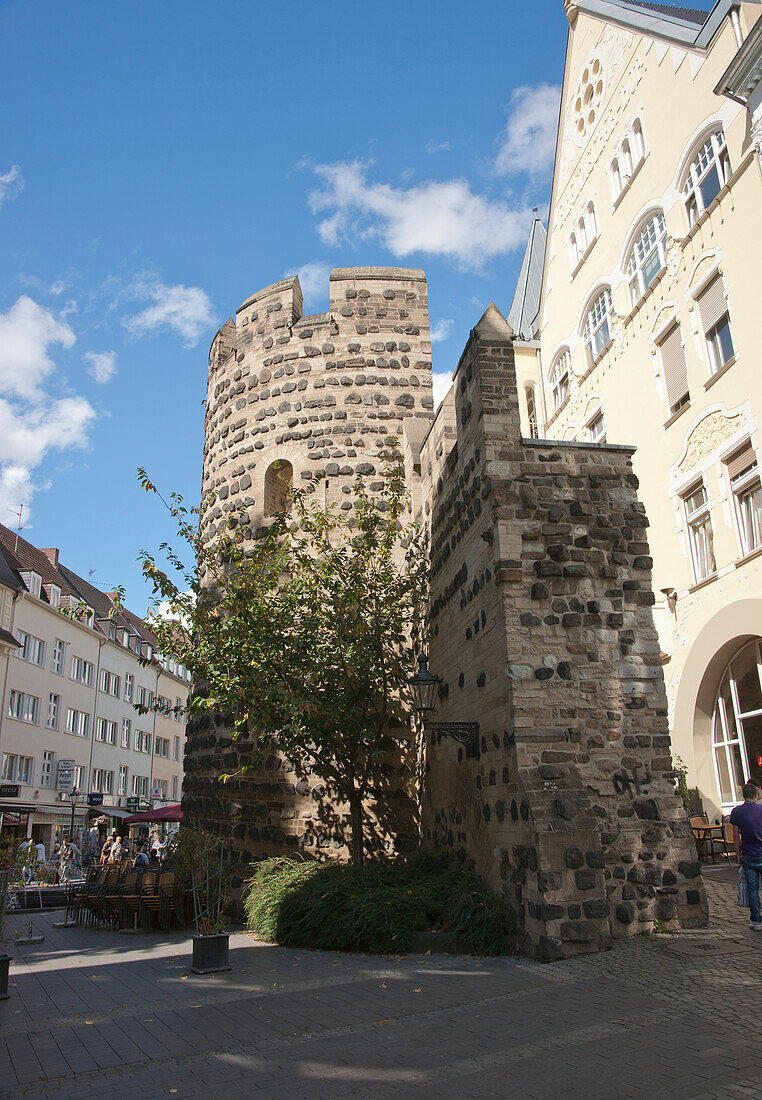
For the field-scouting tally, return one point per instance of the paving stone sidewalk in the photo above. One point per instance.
(94, 1013)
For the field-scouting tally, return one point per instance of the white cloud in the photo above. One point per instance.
(442, 381)
(440, 330)
(33, 423)
(528, 143)
(313, 279)
(185, 310)
(102, 366)
(27, 434)
(442, 219)
(437, 147)
(11, 184)
(27, 331)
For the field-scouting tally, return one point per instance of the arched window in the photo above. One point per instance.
(597, 332)
(648, 256)
(574, 256)
(638, 141)
(626, 158)
(279, 481)
(582, 236)
(615, 179)
(532, 413)
(737, 725)
(706, 176)
(592, 221)
(558, 379)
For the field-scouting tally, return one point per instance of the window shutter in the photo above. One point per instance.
(673, 365)
(712, 303)
(743, 460)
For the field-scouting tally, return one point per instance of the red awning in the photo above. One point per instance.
(166, 813)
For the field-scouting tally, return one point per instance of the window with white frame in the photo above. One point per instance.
(128, 687)
(32, 649)
(123, 779)
(10, 760)
(592, 222)
(175, 748)
(54, 711)
(596, 428)
(47, 768)
(648, 256)
(558, 379)
(24, 707)
(531, 420)
(174, 788)
(80, 777)
(161, 747)
(54, 595)
(715, 321)
(82, 671)
(33, 582)
(700, 534)
(145, 698)
(582, 237)
(58, 664)
(706, 176)
(626, 159)
(743, 474)
(140, 785)
(78, 722)
(674, 369)
(737, 725)
(109, 683)
(25, 772)
(615, 179)
(147, 743)
(179, 702)
(105, 731)
(126, 733)
(574, 253)
(103, 781)
(597, 332)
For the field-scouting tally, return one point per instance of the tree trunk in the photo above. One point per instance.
(355, 809)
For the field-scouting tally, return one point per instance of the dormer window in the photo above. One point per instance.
(33, 582)
(54, 595)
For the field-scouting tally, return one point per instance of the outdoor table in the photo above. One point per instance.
(704, 833)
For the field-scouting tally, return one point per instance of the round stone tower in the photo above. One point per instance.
(291, 397)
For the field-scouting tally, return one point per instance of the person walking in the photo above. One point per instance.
(746, 820)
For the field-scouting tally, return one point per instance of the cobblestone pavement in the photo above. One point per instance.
(95, 1013)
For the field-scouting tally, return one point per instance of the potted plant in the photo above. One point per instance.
(200, 857)
(11, 861)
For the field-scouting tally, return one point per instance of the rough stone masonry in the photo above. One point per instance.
(541, 618)
(543, 633)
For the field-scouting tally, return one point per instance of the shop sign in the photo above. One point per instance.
(9, 790)
(95, 800)
(133, 805)
(65, 775)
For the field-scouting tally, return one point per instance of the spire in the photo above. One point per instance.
(524, 313)
(492, 325)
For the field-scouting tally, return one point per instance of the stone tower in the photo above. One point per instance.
(291, 397)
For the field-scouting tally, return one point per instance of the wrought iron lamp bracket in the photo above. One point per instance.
(465, 733)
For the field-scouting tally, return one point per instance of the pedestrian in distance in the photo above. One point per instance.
(746, 820)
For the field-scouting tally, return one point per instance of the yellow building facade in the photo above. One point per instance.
(647, 332)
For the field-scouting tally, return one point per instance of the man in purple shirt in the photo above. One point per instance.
(747, 837)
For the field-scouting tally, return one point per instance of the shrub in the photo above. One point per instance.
(377, 908)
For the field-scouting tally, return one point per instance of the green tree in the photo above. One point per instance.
(301, 630)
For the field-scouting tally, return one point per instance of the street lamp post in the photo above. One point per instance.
(425, 686)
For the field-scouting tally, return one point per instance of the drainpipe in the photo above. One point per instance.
(7, 663)
(153, 739)
(95, 719)
(736, 22)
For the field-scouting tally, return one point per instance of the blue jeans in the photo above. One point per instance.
(752, 869)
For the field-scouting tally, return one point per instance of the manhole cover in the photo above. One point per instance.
(698, 947)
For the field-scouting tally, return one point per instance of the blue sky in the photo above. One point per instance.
(161, 162)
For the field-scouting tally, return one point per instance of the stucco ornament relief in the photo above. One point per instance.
(675, 257)
(708, 434)
(617, 331)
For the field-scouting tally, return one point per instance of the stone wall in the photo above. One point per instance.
(543, 633)
(321, 393)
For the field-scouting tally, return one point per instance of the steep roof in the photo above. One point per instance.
(524, 314)
(690, 15)
(684, 26)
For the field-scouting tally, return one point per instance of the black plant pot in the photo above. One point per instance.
(210, 953)
(5, 962)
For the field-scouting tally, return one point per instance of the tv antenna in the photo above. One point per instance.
(19, 526)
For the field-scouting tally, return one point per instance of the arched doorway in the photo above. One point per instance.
(279, 480)
(737, 724)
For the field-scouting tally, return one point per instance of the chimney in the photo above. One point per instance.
(51, 553)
